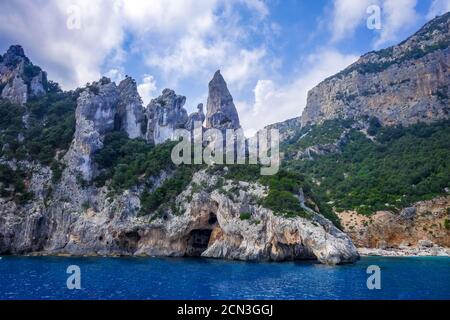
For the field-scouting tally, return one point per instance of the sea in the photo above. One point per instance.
(379, 278)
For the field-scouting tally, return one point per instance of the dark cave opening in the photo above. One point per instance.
(198, 242)
(212, 219)
(117, 122)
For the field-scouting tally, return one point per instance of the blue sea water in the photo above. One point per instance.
(152, 278)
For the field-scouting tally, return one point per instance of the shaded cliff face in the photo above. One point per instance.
(403, 84)
(427, 222)
(221, 112)
(19, 78)
(195, 118)
(165, 115)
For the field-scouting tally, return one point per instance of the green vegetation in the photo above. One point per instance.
(11, 126)
(328, 133)
(245, 216)
(50, 127)
(447, 224)
(30, 71)
(283, 203)
(38, 131)
(12, 184)
(130, 162)
(284, 189)
(403, 166)
(166, 194)
(127, 163)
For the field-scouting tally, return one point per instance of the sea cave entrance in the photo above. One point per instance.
(198, 239)
(198, 242)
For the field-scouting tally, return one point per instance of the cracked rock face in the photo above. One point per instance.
(221, 111)
(165, 114)
(95, 115)
(19, 78)
(403, 84)
(131, 113)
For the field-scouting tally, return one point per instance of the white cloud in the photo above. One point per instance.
(244, 66)
(211, 41)
(159, 29)
(274, 102)
(396, 16)
(438, 7)
(399, 15)
(147, 89)
(347, 16)
(71, 56)
(257, 5)
(115, 75)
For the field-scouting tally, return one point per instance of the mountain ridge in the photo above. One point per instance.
(402, 84)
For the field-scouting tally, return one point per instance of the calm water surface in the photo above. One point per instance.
(151, 278)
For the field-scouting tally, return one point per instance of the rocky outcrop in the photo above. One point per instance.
(287, 129)
(97, 108)
(165, 114)
(209, 224)
(131, 114)
(20, 80)
(221, 111)
(425, 222)
(403, 84)
(263, 236)
(196, 118)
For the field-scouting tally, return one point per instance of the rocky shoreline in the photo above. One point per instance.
(405, 252)
(363, 252)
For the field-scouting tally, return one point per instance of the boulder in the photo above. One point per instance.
(408, 213)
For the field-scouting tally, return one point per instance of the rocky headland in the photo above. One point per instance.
(104, 184)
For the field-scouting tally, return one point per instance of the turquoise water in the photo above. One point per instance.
(151, 278)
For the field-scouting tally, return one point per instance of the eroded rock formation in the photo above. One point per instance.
(221, 112)
(165, 115)
(96, 110)
(19, 78)
(131, 116)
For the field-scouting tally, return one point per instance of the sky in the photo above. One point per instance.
(270, 52)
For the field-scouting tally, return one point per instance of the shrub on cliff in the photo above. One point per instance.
(402, 166)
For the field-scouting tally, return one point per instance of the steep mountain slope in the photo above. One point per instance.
(402, 84)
